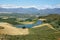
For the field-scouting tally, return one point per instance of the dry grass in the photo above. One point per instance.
(46, 24)
(43, 19)
(27, 22)
(10, 30)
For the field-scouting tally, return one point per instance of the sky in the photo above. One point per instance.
(39, 4)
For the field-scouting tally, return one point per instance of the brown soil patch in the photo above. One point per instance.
(58, 39)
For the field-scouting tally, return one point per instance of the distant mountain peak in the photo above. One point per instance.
(30, 10)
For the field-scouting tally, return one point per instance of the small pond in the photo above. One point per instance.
(30, 25)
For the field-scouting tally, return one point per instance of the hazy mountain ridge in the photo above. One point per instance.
(30, 10)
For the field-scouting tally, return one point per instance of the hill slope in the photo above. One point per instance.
(10, 30)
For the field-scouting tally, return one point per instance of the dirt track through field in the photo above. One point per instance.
(46, 24)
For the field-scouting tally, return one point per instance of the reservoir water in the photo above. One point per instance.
(39, 22)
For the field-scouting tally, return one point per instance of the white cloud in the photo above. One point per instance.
(15, 6)
(49, 6)
(9, 6)
(38, 7)
(57, 6)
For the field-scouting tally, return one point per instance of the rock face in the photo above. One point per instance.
(10, 30)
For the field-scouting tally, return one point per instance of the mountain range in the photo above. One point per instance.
(31, 10)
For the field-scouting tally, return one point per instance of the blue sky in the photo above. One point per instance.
(40, 4)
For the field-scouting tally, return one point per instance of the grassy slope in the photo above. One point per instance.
(9, 29)
(42, 33)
